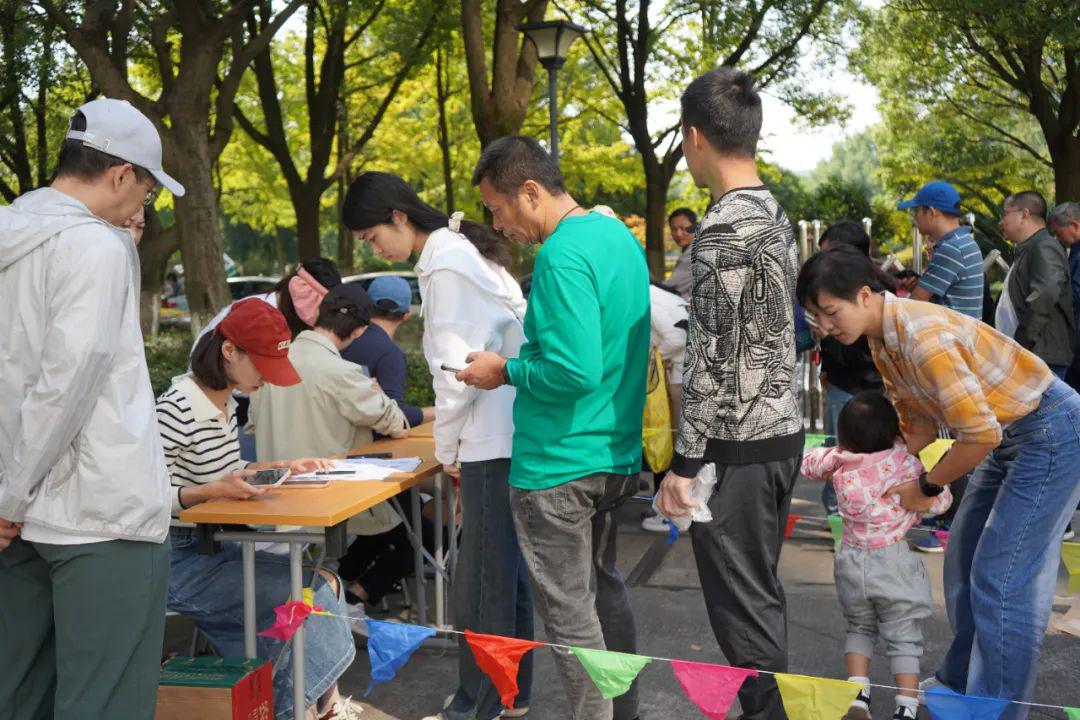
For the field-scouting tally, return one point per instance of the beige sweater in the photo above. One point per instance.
(334, 409)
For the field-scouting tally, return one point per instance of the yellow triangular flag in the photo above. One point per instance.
(931, 454)
(1070, 553)
(309, 599)
(811, 698)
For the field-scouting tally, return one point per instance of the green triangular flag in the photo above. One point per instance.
(1073, 713)
(611, 672)
(810, 440)
(836, 525)
(811, 698)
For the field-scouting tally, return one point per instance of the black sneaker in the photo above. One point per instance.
(860, 708)
(903, 713)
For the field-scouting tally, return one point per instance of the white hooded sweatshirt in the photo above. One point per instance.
(80, 457)
(469, 303)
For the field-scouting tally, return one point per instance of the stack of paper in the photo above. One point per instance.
(405, 464)
(349, 470)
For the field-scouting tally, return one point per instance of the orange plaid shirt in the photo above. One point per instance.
(943, 367)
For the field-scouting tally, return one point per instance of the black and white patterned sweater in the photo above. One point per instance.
(739, 404)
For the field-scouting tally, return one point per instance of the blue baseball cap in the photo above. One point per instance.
(393, 288)
(936, 194)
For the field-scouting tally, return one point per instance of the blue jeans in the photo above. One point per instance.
(835, 400)
(491, 592)
(209, 590)
(1004, 547)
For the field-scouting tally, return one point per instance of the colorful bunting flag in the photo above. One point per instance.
(812, 698)
(1072, 713)
(390, 645)
(836, 526)
(309, 599)
(946, 704)
(812, 441)
(931, 454)
(287, 620)
(611, 672)
(943, 538)
(791, 520)
(711, 687)
(1070, 553)
(500, 657)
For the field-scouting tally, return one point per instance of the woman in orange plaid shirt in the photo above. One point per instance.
(1016, 426)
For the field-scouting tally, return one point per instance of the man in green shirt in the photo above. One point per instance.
(580, 382)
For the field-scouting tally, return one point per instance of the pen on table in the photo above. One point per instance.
(335, 472)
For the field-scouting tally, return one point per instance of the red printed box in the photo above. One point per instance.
(212, 688)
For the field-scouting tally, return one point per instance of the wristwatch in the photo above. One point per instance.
(928, 488)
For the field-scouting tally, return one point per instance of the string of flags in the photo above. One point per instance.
(711, 687)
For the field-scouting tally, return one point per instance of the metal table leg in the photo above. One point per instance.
(296, 575)
(418, 557)
(440, 562)
(247, 548)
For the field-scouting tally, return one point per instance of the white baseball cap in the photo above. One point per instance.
(116, 128)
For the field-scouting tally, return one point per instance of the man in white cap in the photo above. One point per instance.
(84, 494)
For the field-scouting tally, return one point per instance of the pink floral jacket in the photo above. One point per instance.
(873, 516)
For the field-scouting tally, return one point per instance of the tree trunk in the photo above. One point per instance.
(306, 206)
(1065, 155)
(156, 248)
(656, 189)
(279, 251)
(199, 224)
(442, 92)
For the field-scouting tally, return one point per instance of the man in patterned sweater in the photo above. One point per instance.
(739, 408)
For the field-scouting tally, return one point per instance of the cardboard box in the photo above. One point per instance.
(212, 688)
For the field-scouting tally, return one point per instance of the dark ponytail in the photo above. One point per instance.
(840, 271)
(373, 196)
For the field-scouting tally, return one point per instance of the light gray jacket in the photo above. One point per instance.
(79, 449)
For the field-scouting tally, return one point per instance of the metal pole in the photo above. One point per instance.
(418, 556)
(247, 558)
(440, 562)
(296, 573)
(553, 112)
(816, 242)
(804, 249)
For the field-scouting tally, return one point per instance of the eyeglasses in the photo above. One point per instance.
(152, 196)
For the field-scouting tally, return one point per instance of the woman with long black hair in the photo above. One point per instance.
(470, 302)
(1016, 426)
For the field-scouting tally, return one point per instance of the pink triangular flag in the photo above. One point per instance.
(287, 620)
(943, 538)
(711, 687)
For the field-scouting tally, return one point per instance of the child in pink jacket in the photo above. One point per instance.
(882, 585)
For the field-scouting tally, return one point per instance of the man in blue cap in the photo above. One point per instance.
(376, 350)
(955, 276)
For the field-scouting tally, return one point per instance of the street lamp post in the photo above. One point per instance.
(552, 39)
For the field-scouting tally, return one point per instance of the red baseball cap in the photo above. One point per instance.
(260, 330)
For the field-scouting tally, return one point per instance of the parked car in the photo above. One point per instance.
(364, 279)
(248, 285)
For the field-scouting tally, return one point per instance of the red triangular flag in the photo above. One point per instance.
(791, 520)
(287, 620)
(499, 657)
(711, 687)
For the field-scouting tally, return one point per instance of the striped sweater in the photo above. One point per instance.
(200, 442)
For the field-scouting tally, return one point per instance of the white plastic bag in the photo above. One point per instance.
(701, 489)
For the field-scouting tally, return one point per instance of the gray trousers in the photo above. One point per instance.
(737, 556)
(884, 591)
(81, 629)
(567, 537)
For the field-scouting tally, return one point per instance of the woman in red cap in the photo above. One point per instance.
(197, 422)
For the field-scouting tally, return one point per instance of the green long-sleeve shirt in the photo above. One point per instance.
(581, 374)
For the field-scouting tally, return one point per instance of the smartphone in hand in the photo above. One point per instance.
(268, 477)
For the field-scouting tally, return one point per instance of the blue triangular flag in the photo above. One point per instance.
(390, 645)
(946, 704)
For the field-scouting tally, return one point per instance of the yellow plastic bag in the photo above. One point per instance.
(656, 437)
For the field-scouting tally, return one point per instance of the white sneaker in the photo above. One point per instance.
(925, 685)
(357, 619)
(656, 524)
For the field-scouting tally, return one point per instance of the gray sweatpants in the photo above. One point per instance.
(884, 591)
(567, 537)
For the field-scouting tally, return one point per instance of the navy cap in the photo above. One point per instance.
(393, 288)
(936, 194)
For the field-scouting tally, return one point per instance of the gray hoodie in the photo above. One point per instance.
(80, 456)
